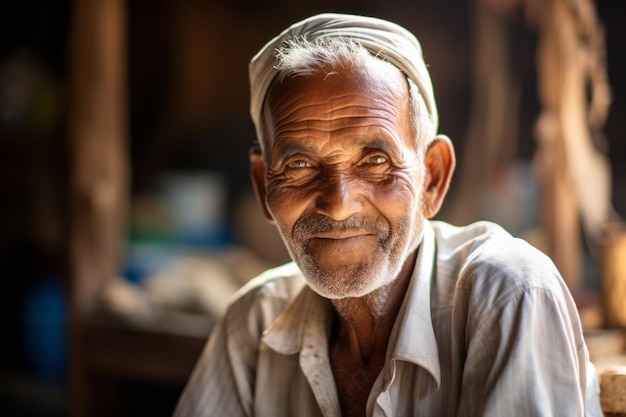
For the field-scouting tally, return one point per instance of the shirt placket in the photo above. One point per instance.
(316, 366)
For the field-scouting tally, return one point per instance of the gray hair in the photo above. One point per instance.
(300, 57)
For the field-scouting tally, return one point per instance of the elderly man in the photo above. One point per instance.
(383, 312)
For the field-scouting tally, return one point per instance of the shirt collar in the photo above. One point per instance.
(286, 334)
(412, 339)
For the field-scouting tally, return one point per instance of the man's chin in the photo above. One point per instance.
(334, 294)
(343, 283)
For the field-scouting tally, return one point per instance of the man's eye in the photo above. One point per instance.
(376, 159)
(297, 163)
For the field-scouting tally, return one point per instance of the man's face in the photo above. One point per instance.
(344, 178)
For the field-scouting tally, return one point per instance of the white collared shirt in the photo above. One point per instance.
(487, 328)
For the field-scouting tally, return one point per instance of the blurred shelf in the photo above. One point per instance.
(160, 349)
(132, 366)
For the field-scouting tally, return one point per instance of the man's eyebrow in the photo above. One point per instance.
(377, 143)
(288, 149)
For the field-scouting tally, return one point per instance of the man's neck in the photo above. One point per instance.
(360, 337)
(366, 321)
(362, 323)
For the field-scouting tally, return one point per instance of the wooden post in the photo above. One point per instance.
(97, 131)
(560, 215)
(574, 175)
(614, 276)
(491, 140)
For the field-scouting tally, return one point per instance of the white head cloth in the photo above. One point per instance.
(385, 39)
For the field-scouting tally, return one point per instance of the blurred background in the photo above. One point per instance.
(127, 219)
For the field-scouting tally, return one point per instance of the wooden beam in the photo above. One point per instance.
(614, 276)
(574, 174)
(97, 134)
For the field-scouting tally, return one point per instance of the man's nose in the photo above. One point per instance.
(339, 197)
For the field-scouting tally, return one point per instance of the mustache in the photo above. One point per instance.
(318, 223)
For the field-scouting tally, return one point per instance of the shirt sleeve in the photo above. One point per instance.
(212, 388)
(525, 354)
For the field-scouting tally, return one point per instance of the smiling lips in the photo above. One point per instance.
(341, 242)
(341, 235)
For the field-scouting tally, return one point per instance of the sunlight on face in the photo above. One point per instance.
(344, 176)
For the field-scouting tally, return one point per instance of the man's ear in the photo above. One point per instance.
(257, 174)
(440, 162)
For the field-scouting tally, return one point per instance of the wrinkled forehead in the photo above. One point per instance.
(366, 102)
(340, 82)
(345, 77)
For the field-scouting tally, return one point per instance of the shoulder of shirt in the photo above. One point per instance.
(483, 257)
(264, 297)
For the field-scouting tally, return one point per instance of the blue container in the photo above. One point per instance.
(45, 330)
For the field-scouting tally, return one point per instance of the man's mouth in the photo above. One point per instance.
(341, 234)
(341, 242)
